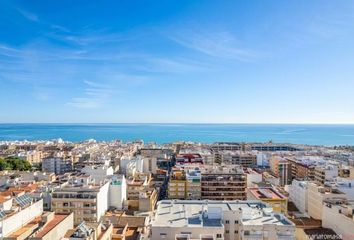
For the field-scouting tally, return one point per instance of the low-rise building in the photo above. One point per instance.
(53, 226)
(269, 195)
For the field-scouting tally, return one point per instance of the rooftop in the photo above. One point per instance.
(193, 213)
(266, 193)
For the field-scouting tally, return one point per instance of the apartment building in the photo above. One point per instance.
(281, 168)
(298, 194)
(263, 147)
(56, 165)
(117, 191)
(271, 196)
(129, 165)
(34, 157)
(325, 173)
(190, 158)
(177, 184)
(339, 216)
(244, 159)
(317, 194)
(193, 184)
(219, 220)
(87, 202)
(223, 183)
(141, 196)
(301, 169)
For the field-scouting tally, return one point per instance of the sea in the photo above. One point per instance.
(314, 134)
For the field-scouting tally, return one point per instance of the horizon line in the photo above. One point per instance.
(185, 123)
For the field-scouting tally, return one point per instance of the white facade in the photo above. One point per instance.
(150, 165)
(130, 165)
(344, 185)
(339, 217)
(262, 159)
(19, 219)
(219, 220)
(316, 195)
(298, 194)
(99, 173)
(117, 192)
(253, 177)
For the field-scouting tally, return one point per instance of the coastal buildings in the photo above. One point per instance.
(114, 187)
(219, 220)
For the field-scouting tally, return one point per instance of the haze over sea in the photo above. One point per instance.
(163, 133)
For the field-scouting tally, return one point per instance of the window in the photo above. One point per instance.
(218, 235)
(236, 232)
(163, 235)
(227, 222)
(227, 231)
(236, 221)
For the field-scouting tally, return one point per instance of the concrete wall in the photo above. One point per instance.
(340, 223)
(21, 218)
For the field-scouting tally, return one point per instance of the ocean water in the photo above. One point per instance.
(164, 133)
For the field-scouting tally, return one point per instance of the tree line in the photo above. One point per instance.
(14, 163)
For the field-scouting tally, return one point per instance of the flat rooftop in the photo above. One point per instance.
(188, 213)
(266, 193)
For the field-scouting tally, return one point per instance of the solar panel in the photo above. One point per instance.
(23, 200)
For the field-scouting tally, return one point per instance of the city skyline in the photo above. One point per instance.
(177, 62)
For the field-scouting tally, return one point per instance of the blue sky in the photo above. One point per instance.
(177, 61)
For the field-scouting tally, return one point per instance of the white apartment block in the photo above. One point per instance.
(339, 217)
(117, 192)
(317, 195)
(219, 220)
(130, 165)
(298, 194)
